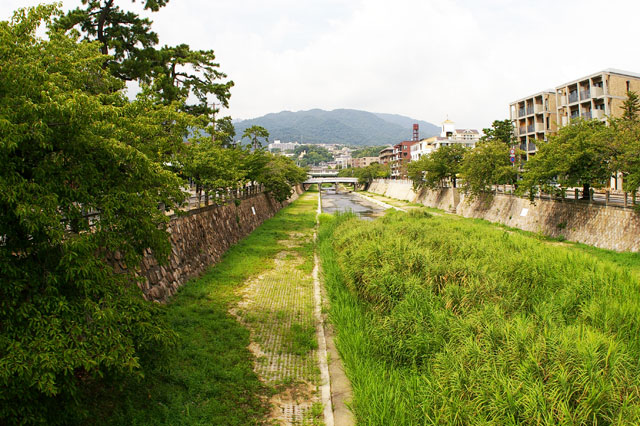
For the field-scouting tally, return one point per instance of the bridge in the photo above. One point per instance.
(336, 180)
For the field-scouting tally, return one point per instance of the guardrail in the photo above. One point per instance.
(606, 198)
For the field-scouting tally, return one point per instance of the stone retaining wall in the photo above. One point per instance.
(199, 239)
(609, 227)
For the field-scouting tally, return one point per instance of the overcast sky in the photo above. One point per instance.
(425, 59)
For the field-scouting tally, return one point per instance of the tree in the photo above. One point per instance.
(366, 175)
(625, 135)
(178, 73)
(279, 175)
(77, 189)
(225, 132)
(500, 130)
(631, 107)
(580, 154)
(486, 165)
(122, 34)
(254, 133)
(433, 169)
(212, 167)
(368, 151)
(312, 155)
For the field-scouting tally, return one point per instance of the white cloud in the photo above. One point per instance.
(425, 59)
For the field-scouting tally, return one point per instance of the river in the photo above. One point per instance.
(341, 200)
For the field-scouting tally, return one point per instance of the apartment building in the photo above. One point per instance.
(364, 161)
(386, 155)
(401, 156)
(534, 119)
(598, 95)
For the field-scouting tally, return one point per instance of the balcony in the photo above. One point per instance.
(523, 146)
(565, 120)
(521, 112)
(529, 110)
(531, 128)
(538, 108)
(585, 94)
(598, 114)
(532, 146)
(573, 97)
(562, 100)
(522, 130)
(586, 115)
(540, 127)
(597, 91)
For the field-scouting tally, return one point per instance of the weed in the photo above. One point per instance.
(301, 339)
(451, 321)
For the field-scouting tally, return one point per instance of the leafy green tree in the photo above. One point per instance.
(280, 175)
(212, 167)
(500, 130)
(123, 35)
(76, 189)
(631, 107)
(225, 132)
(579, 155)
(366, 175)
(486, 165)
(434, 169)
(368, 151)
(625, 135)
(179, 72)
(254, 133)
(313, 155)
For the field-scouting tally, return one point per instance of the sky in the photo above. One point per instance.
(429, 60)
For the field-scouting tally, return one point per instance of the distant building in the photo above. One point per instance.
(364, 161)
(386, 155)
(282, 147)
(401, 156)
(449, 135)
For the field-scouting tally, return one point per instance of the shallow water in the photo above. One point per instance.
(343, 201)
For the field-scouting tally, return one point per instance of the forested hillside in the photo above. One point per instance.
(346, 126)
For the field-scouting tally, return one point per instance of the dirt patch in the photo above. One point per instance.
(277, 308)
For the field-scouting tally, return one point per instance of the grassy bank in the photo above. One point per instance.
(208, 378)
(443, 321)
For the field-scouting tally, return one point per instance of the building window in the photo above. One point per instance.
(628, 85)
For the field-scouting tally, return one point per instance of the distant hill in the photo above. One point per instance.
(346, 126)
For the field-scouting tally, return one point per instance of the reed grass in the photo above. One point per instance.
(444, 321)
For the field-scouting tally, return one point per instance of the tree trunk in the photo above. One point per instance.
(585, 191)
(101, 21)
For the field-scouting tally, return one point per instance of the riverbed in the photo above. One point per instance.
(340, 200)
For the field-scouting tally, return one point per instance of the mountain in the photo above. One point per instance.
(346, 126)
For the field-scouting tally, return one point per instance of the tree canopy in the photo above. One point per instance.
(578, 155)
(486, 165)
(500, 130)
(433, 169)
(76, 189)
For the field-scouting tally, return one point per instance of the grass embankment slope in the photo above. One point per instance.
(450, 321)
(208, 378)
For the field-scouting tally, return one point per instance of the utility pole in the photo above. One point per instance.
(213, 130)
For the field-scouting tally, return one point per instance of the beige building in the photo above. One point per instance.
(364, 161)
(598, 95)
(534, 118)
(386, 155)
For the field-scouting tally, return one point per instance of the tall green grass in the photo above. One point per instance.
(444, 321)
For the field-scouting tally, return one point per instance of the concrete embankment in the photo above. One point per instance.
(608, 227)
(199, 239)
